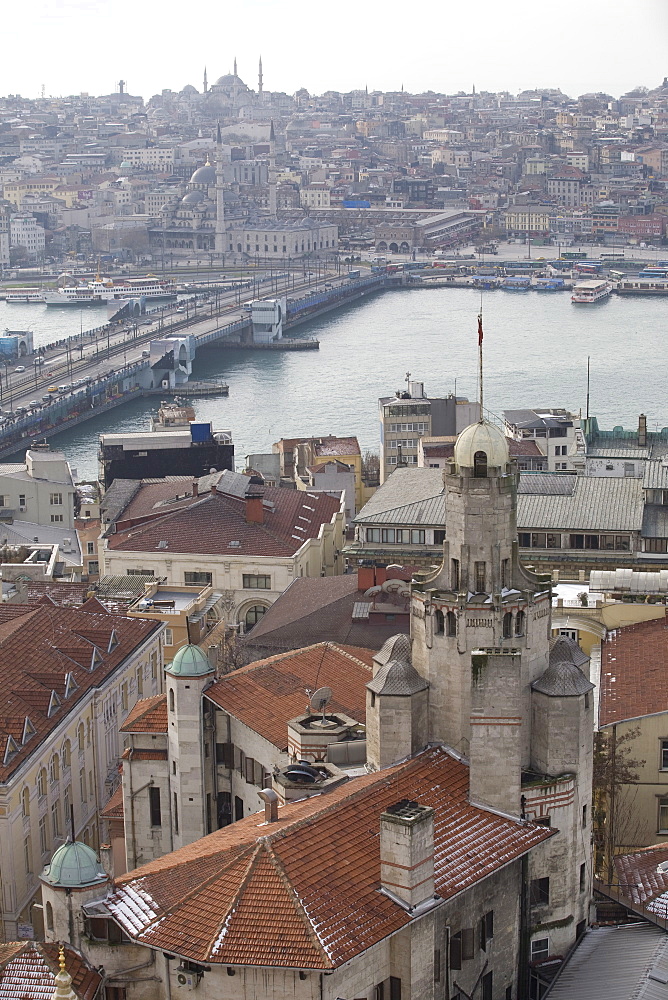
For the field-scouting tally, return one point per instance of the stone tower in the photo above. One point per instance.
(73, 877)
(396, 705)
(480, 601)
(186, 677)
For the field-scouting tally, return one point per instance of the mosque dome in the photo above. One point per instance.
(204, 175)
(190, 661)
(74, 866)
(192, 198)
(482, 437)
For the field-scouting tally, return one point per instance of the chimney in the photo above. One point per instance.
(254, 509)
(642, 430)
(195, 488)
(212, 654)
(407, 853)
(214, 490)
(270, 799)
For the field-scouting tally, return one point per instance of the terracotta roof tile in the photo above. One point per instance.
(28, 971)
(216, 520)
(265, 695)
(114, 807)
(148, 716)
(132, 753)
(40, 645)
(634, 672)
(304, 891)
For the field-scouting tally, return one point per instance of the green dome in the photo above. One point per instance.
(190, 661)
(74, 866)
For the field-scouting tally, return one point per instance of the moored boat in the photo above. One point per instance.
(594, 290)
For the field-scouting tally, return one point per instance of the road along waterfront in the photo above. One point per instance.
(536, 349)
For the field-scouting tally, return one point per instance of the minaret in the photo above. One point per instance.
(259, 79)
(234, 72)
(220, 201)
(206, 82)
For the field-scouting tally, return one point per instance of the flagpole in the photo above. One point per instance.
(480, 358)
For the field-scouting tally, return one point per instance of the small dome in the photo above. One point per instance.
(192, 198)
(562, 680)
(204, 175)
(190, 661)
(74, 866)
(396, 675)
(482, 437)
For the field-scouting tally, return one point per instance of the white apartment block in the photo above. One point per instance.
(24, 231)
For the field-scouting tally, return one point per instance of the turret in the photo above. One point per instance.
(186, 677)
(73, 877)
(396, 706)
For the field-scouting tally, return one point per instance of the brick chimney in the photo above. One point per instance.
(254, 508)
(407, 853)
(642, 430)
(195, 488)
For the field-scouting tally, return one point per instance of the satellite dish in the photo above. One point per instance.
(320, 698)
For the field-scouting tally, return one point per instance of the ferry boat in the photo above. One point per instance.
(591, 291)
(549, 284)
(24, 295)
(642, 286)
(516, 284)
(102, 290)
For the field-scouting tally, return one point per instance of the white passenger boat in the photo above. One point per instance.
(24, 295)
(591, 291)
(102, 290)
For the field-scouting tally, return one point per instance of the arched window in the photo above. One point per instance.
(451, 623)
(54, 769)
(507, 625)
(41, 783)
(454, 574)
(253, 615)
(49, 916)
(171, 699)
(438, 622)
(519, 623)
(81, 737)
(25, 802)
(480, 465)
(67, 754)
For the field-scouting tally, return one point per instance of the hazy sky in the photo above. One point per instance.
(445, 45)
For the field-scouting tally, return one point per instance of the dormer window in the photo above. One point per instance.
(480, 465)
(28, 730)
(113, 641)
(54, 704)
(96, 659)
(11, 748)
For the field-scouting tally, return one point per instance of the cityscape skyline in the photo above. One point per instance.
(504, 52)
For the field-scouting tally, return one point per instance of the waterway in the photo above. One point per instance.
(536, 347)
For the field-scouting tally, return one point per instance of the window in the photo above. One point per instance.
(540, 948)
(480, 575)
(90, 548)
(56, 499)
(505, 572)
(417, 536)
(25, 802)
(154, 806)
(656, 545)
(55, 819)
(487, 986)
(43, 838)
(439, 622)
(373, 534)
(538, 540)
(583, 877)
(480, 465)
(576, 541)
(539, 891)
(507, 625)
(439, 536)
(49, 916)
(197, 578)
(124, 696)
(584, 815)
(253, 616)
(56, 519)
(456, 951)
(258, 582)
(171, 699)
(519, 623)
(54, 769)
(82, 784)
(140, 681)
(451, 623)
(454, 574)
(622, 543)
(663, 815)
(387, 535)
(664, 755)
(176, 813)
(22, 500)
(169, 637)
(80, 737)
(524, 539)
(41, 783)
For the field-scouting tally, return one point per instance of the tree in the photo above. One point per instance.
(371, 468)
(616, 821)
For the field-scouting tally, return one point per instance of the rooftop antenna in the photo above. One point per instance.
(319, 701)
(408, 380)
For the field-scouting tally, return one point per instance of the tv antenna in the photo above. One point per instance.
(319, 701)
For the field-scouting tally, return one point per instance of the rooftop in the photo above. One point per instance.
(28, 969)
(634, 672)
(303, 892)
(266, 694)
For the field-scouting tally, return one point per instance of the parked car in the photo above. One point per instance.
(19, 369)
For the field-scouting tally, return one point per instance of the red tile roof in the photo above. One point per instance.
(303, 892)
(265, 695)
(210, 523)
(148, 716)
(114, 807)
(132, 753)
(28, 970)
(41, 647)
(634, 672)
(641, 882)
